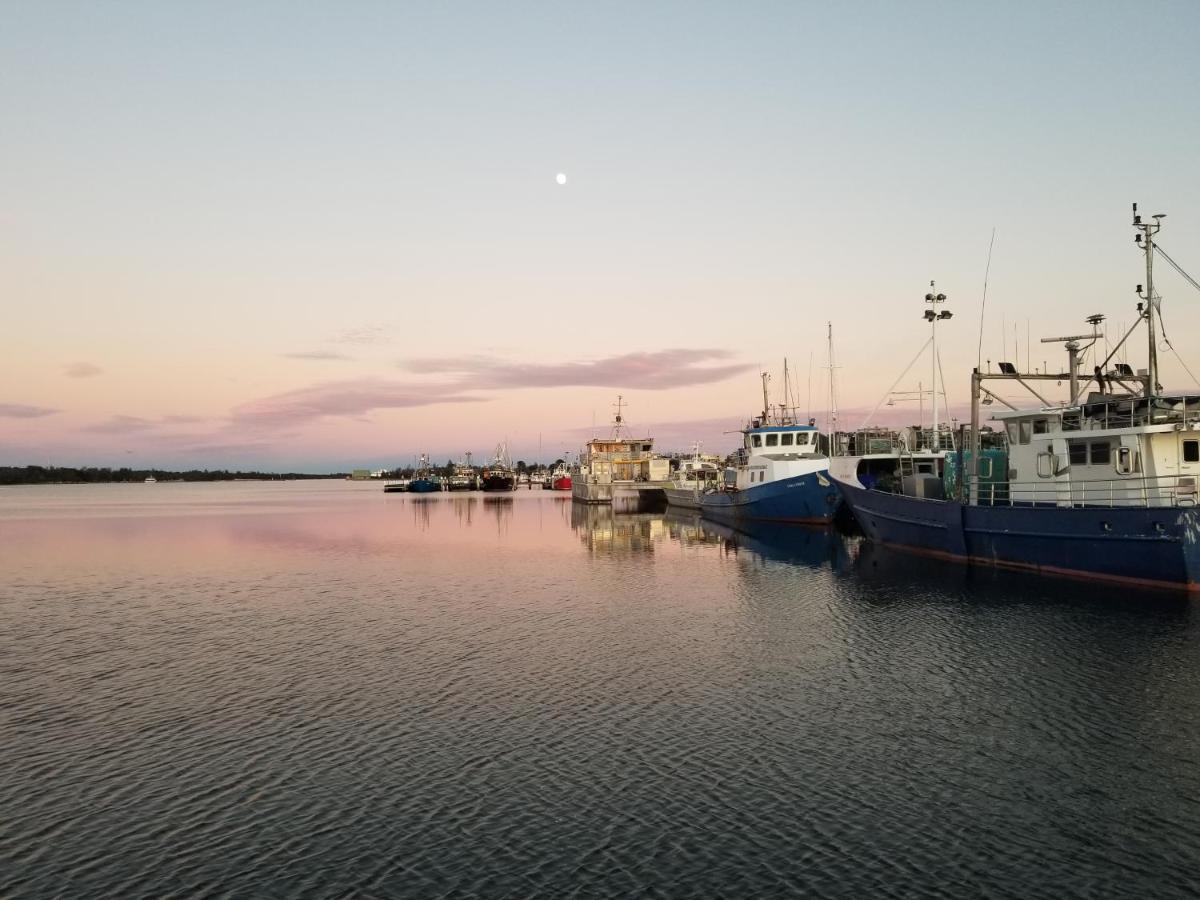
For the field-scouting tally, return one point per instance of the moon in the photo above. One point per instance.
(561, 178)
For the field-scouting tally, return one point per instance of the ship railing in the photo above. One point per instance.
(1174, 491)
(1125, 412)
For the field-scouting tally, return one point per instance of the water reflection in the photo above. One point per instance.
(602, 530)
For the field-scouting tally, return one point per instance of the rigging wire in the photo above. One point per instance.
(894, 383)
(946, 399)
(1177, 267)
(983, 306)
(1192, 281)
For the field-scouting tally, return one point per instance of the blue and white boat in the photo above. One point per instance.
(1102, 487)
(782, 474)
(424, 480)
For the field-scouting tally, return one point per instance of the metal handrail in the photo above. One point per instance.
(1157, 491)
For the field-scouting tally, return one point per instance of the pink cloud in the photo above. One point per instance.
(353, 397)
(658, 370)
(317, 355)
(23, 411)
(82, 370)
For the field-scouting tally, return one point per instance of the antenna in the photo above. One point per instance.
(618, 419)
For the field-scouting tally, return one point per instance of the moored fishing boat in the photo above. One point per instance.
(499, 475)
(424, 480)
(782, 474)
(559, 479)
(462, 478)
(694, 478)
(1102, 487)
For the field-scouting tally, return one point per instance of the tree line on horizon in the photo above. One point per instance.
(106, 475)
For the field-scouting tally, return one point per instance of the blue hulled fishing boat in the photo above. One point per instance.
(782, 474)
(1101, 487)
(424, 480)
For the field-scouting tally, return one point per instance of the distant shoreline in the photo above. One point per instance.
(26, 475)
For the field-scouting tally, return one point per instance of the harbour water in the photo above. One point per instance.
(318, 689)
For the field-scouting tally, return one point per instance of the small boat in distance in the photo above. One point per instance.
(499, 474)
(150, 479)
(396, 487)
(424, 480)
(559, 479)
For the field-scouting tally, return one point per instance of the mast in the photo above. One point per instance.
(618, 419)
(831, 415)
(786, 393)
(1145, 238)
(931, 316)
(766, 402)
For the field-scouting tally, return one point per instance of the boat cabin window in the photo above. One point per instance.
(1040, 426)
(803, 439)
(772, 440)
(1078, 451)
(785, 440)
(757, 438)
(1191, 451)
(1026, 431)
(925, 468)
(984, 468)
(1101, 453)
(1125, 460)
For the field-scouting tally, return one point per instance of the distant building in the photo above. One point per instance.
(360, 474)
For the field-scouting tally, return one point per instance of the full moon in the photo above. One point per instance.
(560, 178)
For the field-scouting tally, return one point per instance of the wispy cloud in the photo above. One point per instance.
(365, 335)
(317, 354)
(354, 397)
(120, 425)
(23, 411)
(658, 370)
(82, 370)
(130, 424)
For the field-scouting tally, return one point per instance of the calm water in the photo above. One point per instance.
(314, 689)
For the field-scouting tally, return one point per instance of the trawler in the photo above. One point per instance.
(462, 477)
(499, 475)
(782, 473)
(1102, 486)
(424, 480)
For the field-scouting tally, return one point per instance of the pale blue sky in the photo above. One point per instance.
(193, 191)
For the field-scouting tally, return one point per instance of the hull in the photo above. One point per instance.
(684, 498)
(561, 484)
(805, 499)
(1146, 547)
(423, 486)
(395, 488)
(460, 486)
(496, 483)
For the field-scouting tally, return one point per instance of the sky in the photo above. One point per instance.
(317, 236)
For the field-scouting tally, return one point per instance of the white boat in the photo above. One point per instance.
(694, 478)
(150, 479)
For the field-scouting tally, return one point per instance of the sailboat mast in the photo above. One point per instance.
(766, 401)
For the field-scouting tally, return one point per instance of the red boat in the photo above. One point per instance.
(560, 479)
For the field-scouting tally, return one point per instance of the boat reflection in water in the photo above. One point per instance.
(602, 530)
(798, 544)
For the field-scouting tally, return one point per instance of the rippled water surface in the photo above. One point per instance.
(316, 689)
